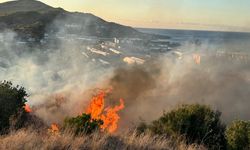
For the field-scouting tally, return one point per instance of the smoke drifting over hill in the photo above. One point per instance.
(61, 81)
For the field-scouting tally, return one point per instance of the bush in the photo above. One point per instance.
(238, 135)
(197, 123)
(82, 124)
(12, 101)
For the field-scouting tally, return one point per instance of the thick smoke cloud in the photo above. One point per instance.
(219, 82)
(61, 80)
(131, 82)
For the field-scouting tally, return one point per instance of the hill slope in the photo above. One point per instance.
(23, 6)
(33, 18)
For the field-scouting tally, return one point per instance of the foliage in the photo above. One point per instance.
(238, 135)
(82, 124)
(12, 101)
(197, 123)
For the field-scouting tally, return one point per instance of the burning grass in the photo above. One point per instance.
(31, 140)
(27, 108)
(108, 115)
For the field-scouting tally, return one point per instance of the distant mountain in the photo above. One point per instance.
(23, 6)
(31, 18)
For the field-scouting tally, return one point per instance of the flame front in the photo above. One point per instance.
(96, 106)
(27, 108)
(108, 115)
(111, 118)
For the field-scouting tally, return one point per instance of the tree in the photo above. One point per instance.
(12, 101)
(197, 123)
(82, 124)
(238, 135)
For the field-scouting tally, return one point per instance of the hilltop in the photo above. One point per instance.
(11, 7)
(31, 18)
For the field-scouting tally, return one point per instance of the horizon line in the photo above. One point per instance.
(185, 29)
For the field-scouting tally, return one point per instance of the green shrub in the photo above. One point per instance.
(12, 101)
(238, 135)
(197, 123)
(82, 124)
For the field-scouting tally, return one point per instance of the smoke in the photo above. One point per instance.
(217, 82)
(56, 74)
(131, 82)
(60, 80)
(220, 82)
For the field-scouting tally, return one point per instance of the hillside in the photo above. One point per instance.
(23, 6)
(31, 18)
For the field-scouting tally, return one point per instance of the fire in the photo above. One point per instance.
(27, 108)
(108, 115)
(54, 128)
(111, 117)
(197, 58)
(96, 106)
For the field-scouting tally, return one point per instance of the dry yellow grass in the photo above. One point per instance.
(29, 140)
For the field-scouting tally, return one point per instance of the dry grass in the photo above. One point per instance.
(30, 140)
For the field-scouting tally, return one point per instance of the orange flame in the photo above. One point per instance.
(96, 106)
(111, 118)
(109, 115)
(54, 127)
(197, 58)
(27, 108)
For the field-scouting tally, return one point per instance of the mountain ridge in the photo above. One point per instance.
(32, 18)
(10, 7)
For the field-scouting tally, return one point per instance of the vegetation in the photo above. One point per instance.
(82, 124)
(197, 123)
(238, 135)
(30, 140)
(12, 101)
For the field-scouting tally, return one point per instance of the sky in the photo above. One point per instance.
(229, 15)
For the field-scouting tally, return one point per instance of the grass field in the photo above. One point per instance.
(32, 140)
